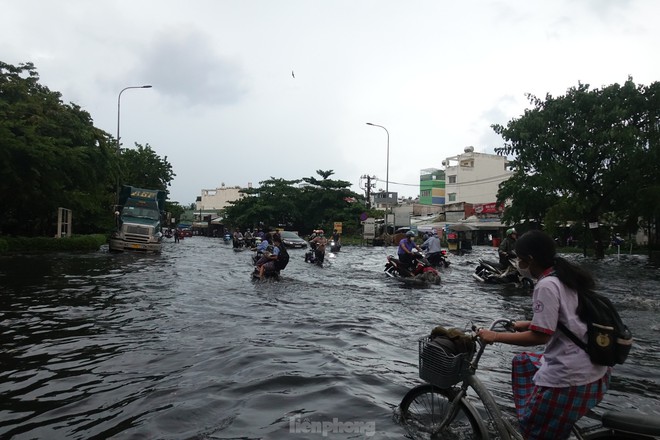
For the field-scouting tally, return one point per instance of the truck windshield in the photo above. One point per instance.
(134, 211)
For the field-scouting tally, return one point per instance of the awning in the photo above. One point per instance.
(461, 227)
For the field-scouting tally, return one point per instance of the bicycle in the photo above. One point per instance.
(441, 404)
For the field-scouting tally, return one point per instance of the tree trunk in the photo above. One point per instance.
(600, 249)
(584, 238)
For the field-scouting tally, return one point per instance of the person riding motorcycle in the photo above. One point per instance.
(318, 244)
(406, 246)
(507, 249)
(433, 248)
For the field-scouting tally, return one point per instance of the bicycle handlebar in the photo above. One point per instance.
(505, 323)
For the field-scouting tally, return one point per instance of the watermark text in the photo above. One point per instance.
(298, 425)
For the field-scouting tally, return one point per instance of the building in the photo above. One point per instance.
(432, 187)
(474, 177)
(219, 198)
(466, 190)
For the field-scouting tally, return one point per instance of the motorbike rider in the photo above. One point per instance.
(262, 248)
(433, 249)
(507, 249)
(406, 246)
(318, 244)
(267, 263)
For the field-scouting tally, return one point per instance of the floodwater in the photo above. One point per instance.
(184, 345)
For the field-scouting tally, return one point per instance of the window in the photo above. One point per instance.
(452, 179)
(452, 197)
(426, 193)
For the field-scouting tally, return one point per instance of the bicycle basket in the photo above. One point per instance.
(438, 365)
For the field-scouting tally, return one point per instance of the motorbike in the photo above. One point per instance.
(272, 274)
(238, 243)
(492, 272)
(258, 253)
(421, 272)
(438, 259)
(334, 246)
(268, 275)
(315, 256)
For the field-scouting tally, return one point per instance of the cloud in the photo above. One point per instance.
(184, 65)
(498, 113)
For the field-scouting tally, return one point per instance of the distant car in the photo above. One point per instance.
(186, 232)
(292, 240)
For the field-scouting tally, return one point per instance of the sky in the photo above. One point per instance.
(246, 90)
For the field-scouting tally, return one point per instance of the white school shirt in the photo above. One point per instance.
(564, 363)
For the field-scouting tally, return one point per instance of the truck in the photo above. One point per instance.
(138, 218)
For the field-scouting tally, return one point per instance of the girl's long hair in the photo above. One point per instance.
(541, 247)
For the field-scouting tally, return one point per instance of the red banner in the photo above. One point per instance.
(484, 209)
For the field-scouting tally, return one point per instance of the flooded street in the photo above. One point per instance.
(184, 345)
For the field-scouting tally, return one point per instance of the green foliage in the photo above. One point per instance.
(176, 211)
(143, 168)
(280, 203)
(574, 154)
(48, 244)
(51, 156)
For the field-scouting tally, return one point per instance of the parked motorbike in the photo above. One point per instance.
(421, 271)
(492, 272)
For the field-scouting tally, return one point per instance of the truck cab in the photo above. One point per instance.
(138, 219)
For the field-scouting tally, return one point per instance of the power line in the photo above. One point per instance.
(474, 182)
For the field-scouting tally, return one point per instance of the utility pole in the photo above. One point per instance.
(368, 187)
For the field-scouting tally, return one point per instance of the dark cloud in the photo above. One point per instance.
(184, 65)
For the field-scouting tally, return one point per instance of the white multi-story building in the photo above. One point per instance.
(474, 177)
(219, 198)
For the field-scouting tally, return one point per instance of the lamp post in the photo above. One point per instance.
(387, 176)
(146, 86)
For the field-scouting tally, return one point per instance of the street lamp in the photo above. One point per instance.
(146, 86)
(387, 176)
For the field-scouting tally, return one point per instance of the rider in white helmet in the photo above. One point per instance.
(507, 247)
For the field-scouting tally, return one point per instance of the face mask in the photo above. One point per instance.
(525, 273)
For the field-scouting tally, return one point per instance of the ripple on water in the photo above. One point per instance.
(186, 345)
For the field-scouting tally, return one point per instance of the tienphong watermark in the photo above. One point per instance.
(298, 425)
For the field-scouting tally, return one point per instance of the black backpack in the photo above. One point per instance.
(282, 258)
(608, 339)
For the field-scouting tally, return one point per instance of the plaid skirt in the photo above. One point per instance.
(550, 413)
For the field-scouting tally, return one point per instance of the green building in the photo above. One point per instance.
(432, 187)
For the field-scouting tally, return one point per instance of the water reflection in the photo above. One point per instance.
(186, 345)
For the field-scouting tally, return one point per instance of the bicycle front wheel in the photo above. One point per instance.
(424, 407)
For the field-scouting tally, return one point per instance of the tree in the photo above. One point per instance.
(327, 200)
(175, 210)
(278, 203)
(51, 156)
(143, 168)
(580, 147)
(273, 204)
